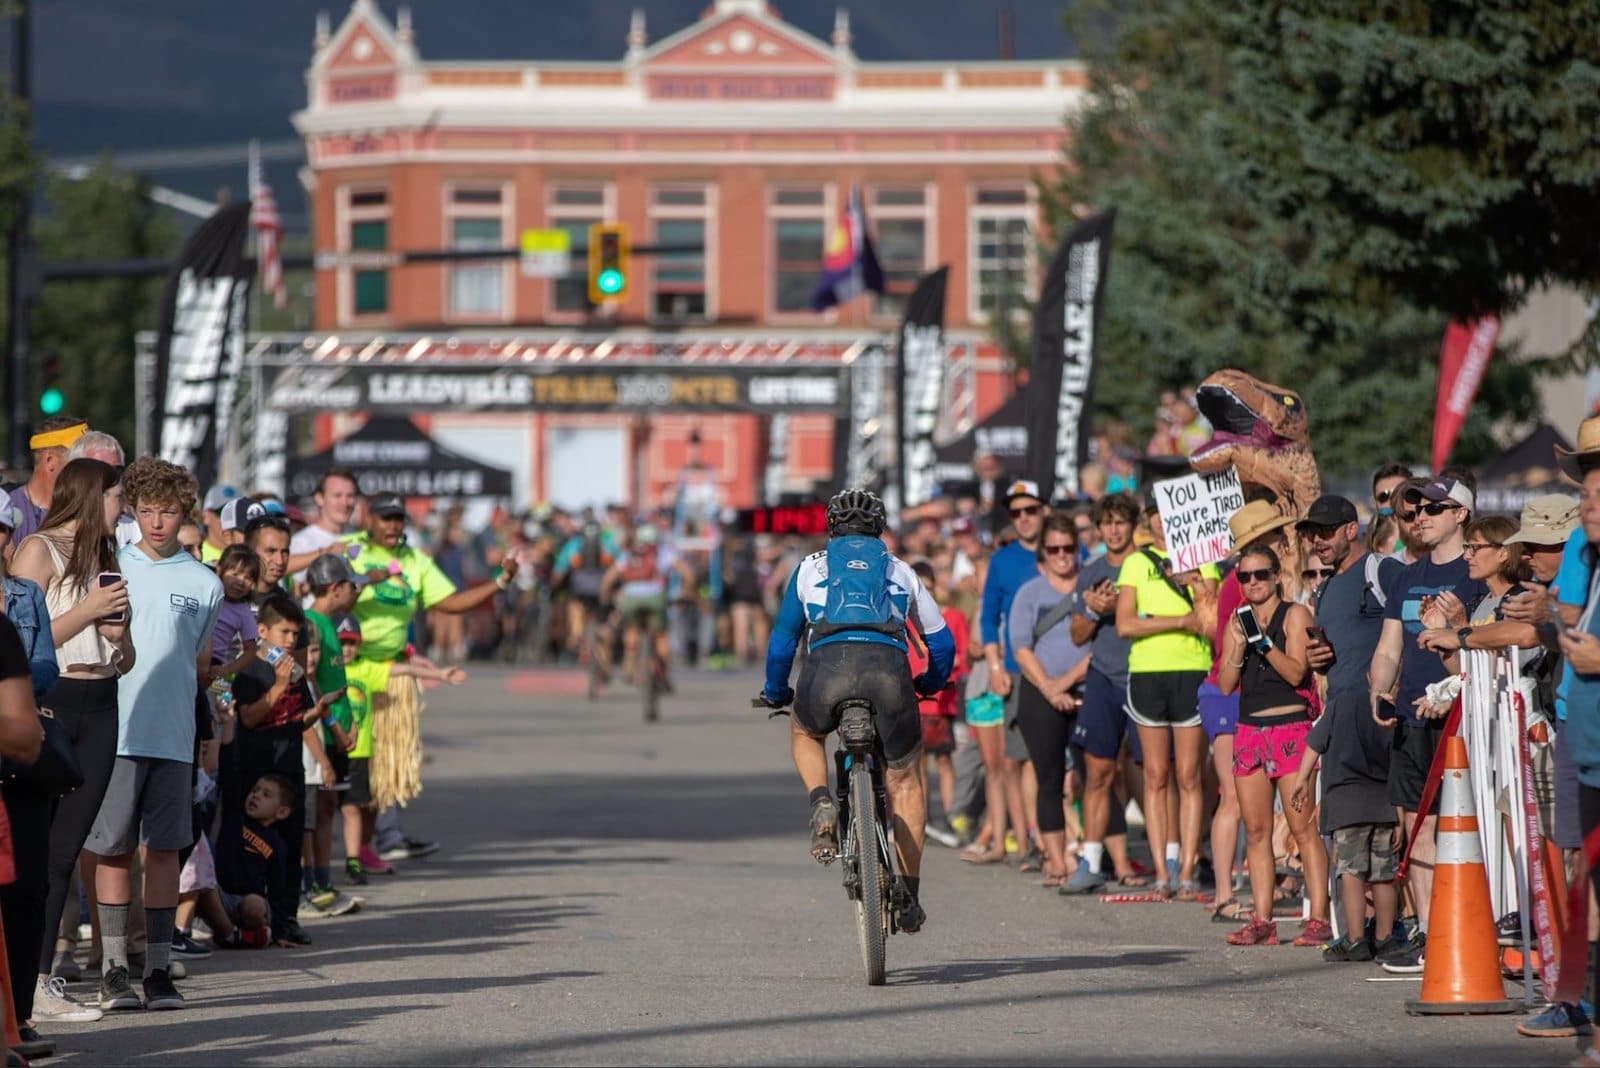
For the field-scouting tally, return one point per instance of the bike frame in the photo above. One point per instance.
(859, 744)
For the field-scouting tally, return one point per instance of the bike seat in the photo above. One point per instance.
(855, 724)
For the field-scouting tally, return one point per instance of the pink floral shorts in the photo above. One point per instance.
(1276, 750)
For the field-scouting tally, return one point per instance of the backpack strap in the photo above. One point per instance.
(1370, 572)
(1164, 569)
(1048, 621)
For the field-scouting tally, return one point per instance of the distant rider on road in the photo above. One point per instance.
(856, 599)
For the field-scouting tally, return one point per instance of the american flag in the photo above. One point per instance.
(269, 230)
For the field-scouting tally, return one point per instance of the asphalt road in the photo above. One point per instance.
(611, 893)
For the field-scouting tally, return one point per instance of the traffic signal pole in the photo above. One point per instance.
(19, 258)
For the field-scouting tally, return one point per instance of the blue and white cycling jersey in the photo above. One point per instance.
(804, 598)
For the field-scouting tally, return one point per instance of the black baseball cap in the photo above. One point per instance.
(1329, 510)
(387, 506)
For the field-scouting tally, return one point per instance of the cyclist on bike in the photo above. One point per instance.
(856, 598)
(580, 569)
(638, 582)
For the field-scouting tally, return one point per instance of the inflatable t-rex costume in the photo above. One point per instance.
(1261, 431)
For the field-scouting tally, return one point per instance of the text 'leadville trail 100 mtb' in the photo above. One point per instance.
(864, 837)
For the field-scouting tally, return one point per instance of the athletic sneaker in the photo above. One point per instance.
(33, 1044)
(1559, 1020)
(1509, 929)
(1403, 958)
(1255, 933)
(183, 945)
(159, 993)
(116, 992)
(964, 827)
(1314, 933)
(373, 864)
(309, 909)
(66, 967)
(1083, 881)
(1345, 950)
(51, 1002)
(293, 932)
(354, 873)
(824, 831)
(943, 833)
(342, 903)
(912, 917)
(409, 849)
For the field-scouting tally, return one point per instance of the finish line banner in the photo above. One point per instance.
(475, 387)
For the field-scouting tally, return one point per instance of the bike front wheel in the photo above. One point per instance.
(872, 917)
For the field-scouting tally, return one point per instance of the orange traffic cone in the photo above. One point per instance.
(1461, 969)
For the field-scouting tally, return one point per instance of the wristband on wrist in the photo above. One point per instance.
(1462, 635)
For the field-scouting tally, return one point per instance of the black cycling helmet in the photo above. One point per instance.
(856, 511)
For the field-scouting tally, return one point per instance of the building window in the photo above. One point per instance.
(476, 220)
(575, 208)
(680, 216)
(1002, 254)
(367, 230)
(799, 225)
(898, 217)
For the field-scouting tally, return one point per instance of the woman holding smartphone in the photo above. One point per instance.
(1264, 661)
(72, 557)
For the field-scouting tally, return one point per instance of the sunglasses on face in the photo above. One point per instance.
(1266, 574)
(276, 522)
(1025, 509)
(1057, 550)
(1406, 517)
(1382, 496)
(1438, 507)
(1312, 575)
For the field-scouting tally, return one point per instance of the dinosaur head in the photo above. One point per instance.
(1261, 431)
(1243, 410)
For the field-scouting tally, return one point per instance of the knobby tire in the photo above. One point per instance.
(871, 912)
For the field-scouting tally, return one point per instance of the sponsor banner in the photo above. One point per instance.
(1066, 332)
(200, 340)
(920, 366)
(390, 454)
(476, 387)
(1463, 359)
(1195, 510)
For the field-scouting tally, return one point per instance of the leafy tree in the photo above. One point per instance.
(87, 327)
(1207, 272)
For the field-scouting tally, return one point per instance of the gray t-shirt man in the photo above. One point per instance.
(1351, 612)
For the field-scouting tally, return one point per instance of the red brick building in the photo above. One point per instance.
(740, 134)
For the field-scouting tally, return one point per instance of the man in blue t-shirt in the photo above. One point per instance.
(173, 600)
(1400, 668)
(1009, 568)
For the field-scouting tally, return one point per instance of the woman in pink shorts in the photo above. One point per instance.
(1265, 663)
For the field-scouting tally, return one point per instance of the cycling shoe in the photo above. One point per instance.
(824, 832)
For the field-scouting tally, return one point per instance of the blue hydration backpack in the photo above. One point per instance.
(857, 597)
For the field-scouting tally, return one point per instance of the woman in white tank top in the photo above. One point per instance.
(66, 557)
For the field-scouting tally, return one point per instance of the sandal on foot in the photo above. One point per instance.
(1053, 879)
(1188, 890)
(1133, 881)
(1233, 910)
(1032, 861)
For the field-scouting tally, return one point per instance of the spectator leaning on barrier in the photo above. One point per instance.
(1402, 671)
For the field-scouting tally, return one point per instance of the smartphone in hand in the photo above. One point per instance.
(111, 578)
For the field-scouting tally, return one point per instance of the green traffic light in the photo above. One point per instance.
(609, 281)
(51, 401)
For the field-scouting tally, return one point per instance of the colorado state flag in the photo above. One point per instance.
(849, 265)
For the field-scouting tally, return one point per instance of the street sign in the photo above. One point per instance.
(546, 253)
(360, 259)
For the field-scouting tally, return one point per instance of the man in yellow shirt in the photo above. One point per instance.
(1168, 658)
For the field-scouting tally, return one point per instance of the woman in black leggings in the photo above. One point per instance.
(1053, 668)
(66, 556)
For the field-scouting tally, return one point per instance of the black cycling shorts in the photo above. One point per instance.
(866, 671)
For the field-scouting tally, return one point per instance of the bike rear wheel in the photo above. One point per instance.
(872, 918)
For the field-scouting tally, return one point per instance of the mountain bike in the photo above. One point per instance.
(867, 861)
(648, 669)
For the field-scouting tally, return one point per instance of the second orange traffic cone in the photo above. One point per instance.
(1461, 969)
